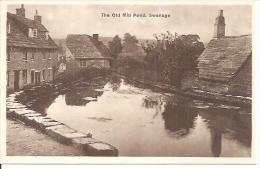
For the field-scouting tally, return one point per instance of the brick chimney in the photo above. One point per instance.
(219, 26)
(37, 18)
(20, 11)
(95, 38)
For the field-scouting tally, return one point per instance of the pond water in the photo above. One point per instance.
(141, 122)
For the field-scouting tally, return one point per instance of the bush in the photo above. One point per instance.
(87, 73)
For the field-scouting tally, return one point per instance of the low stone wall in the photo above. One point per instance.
(57, 130)
(194, 93)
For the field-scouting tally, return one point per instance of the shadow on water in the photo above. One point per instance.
(42, 103)
(115, 82)
(78, 97)
(230, 124)
(178, 116)
(85, 92)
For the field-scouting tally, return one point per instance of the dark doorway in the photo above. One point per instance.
(37, 77)
(32, 77)
(16, 80)
(54, 70)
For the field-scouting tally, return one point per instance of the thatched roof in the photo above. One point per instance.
(82, 47)
(224, 57)
(18, 36)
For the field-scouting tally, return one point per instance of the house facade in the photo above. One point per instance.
(84, 51)
(31, 53)
(225, 66)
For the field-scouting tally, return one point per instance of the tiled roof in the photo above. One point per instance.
(18, 36)
(224, 57)
(28, 22)
(82, 46)
(103, 49)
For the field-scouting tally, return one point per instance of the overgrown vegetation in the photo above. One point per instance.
(166, 60)
(68, 77)
(173, 55)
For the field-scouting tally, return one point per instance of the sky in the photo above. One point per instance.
(61, 20)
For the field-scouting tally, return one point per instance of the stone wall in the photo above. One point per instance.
(213, 87)
(40, 63)
(57, 130)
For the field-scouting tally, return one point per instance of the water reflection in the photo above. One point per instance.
(154, 102)
(229, 124)
(178, 116)
(78, 97)
(115, 82)
(154, 123)
(41, 103)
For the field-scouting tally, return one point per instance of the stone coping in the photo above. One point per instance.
(194, 93)
(57, 130)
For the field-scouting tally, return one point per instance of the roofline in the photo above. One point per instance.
(241, 67)
(32, 47)
(93, 58)
(14, 15)
(234, 36)
(213, 80)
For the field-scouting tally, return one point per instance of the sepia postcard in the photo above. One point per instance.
(87, 82)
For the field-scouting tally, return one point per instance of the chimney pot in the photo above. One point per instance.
(20, 11)
(221, 12)
(219, 27)
(95, 38)
(37, 18)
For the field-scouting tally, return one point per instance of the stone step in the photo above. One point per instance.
(63, 133)
(101, 149)
(59, 131)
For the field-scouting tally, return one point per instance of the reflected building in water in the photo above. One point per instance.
(228, 124)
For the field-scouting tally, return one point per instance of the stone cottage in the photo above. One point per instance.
(84, 51)
(31, 53)
(225, 66)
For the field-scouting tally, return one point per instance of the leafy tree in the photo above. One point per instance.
(174, 54)
(115, 47)
(129, 39)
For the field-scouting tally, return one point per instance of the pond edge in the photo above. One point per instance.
(57, 130)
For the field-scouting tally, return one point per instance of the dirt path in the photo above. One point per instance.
(25, 141)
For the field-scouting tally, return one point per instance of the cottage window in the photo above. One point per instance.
(32, 56)
(8, 54)
(49, 53)
(83, 63)
(43, 74)
(8, 73)
(8, 27)
(47, 35)
(25, 55)
(25, 76)
(44, 54)
(34, 32)
(32, 76)
(50, 72)
(30, 32)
